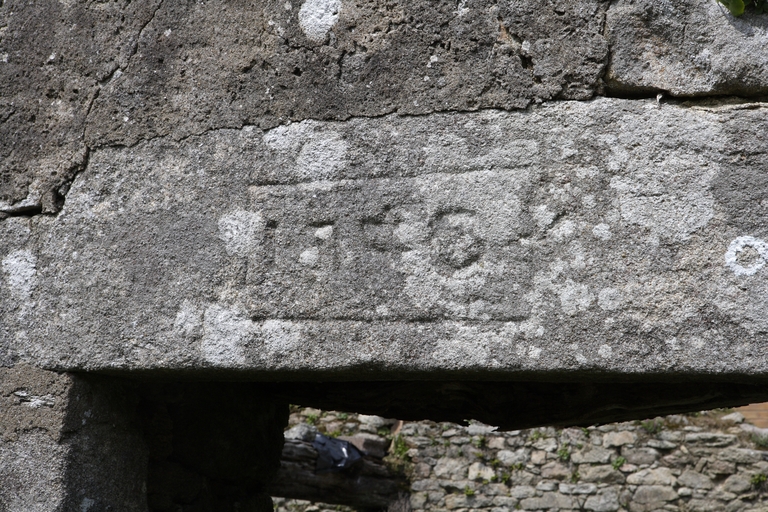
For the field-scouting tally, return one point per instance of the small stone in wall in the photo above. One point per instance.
(659, 476)
(479, 471)
(694, 480)
(654, 495)
(619, 438)
(606, 501)
(734, 417)
(737, 484)
(600, 474)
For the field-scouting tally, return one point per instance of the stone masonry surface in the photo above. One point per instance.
(117, 73)
(711, 461)
(612, 235)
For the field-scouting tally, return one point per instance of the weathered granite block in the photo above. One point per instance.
(608, 236)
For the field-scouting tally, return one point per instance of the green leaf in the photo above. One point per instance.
(735, 6)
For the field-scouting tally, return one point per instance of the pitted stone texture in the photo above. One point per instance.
(68, 443)
(47, 86)
(122, 72)
(690, 48)
(577, 236)
(203, 66)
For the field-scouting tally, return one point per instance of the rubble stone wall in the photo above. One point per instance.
(711, 461)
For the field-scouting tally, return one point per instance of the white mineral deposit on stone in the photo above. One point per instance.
(563, 230)
(321, 156)
(609, 299)
(241, 231)
(20, 268)
(324, 233)
(543, 216)
(317, 17)
(575, 297)
(224, 333)
(602, 231)
(605, 351)
(310, 256)
(738, 246)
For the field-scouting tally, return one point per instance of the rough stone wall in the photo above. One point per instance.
(710, 461)
(69, 443)
(121, 72)
(365, 190)
(91, 443)
(335, 187)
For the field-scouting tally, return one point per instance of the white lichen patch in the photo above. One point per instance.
(225, 332)
(324, 233)
(739, 262)
(609, 299)
(562, 231)
(469, 348)
(605, 351)
(543, 216)
(310, 257)
(241, 231)
(20, 268)
(602, 231)
(317, 17)
(309, 152)
(575, 297)
(321, 156)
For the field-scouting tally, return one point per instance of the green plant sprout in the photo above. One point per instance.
(737, 7)
(653, 427)
(399, 447)
(618, 462)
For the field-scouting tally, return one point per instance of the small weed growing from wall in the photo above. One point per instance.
(737, 7)
(312, 419)
(653, 427)
(399, 448)
(760, 441)
(564, 454)
(758, 480)
(468, 491)
(618, 462)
